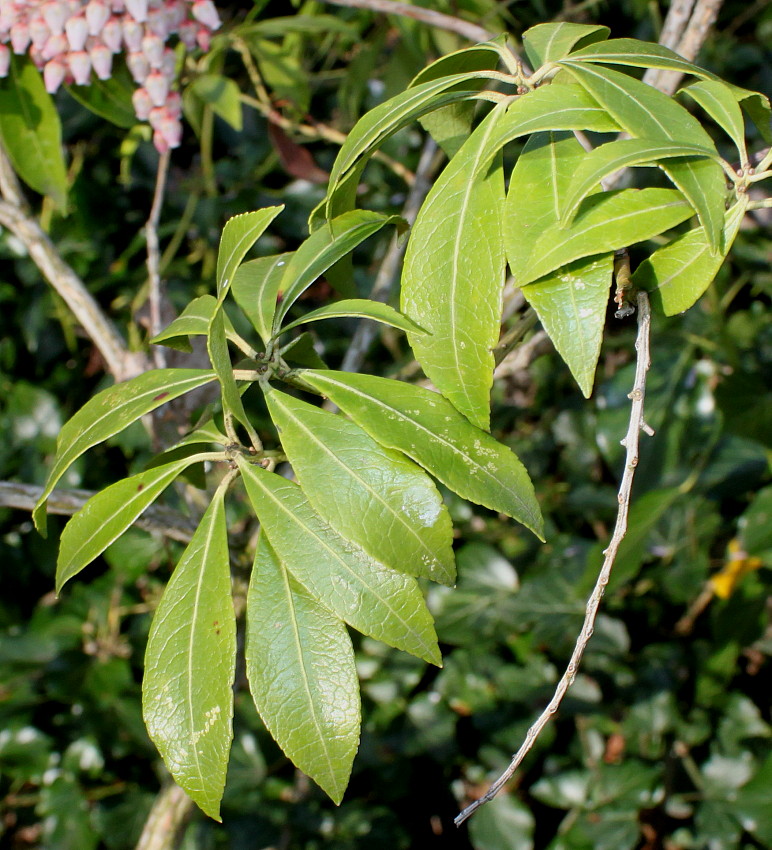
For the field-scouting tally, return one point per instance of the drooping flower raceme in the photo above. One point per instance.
(73, 41)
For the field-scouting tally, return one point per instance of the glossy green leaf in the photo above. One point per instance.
(454, 275)
(106, 515)
(193, 321)
(362, 308)
(206, 432)
(451, 125)
(427, 427)
(256, 288)
(647, 113)
(222, 94)
(367, 493)
(613, 156)
(110, 98)
(550, 42)
(217, 346)
(238, 236)
(571, 305)
(323, 248)
(301, 352)
(31, 132)
(301, 671)
(639, 54)
(187, 690)
(678, 274)
(537, 190)
(757, 106)
(606, 222)
(553, 107)
(718, 101)
(379, 123)
(375, 600)
(110, 412)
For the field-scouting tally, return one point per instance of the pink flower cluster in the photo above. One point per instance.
(68, 39)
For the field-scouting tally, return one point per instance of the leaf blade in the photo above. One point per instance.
(256, 287)
(362, 308)
(549, 42)
(187, 691)
(427, 428)
(302, 675)
(193, 321)
(238, 236)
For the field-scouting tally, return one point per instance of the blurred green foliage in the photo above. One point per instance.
(665, 739)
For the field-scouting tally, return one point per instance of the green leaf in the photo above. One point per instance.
(301, 352)
(106, 515)
(323, 248)
(363, 308)
(238, 236)
(613, 156)
(505, 823)
(222, 94)
(757, 106)
(454, 275)
(382, 501)
(379, 123)
(639, 54)
(187, 691)
(300, 23)
(31, 132)
(219, 355)
(109, 412)
(256, 287)
(427, 428)
(193, 321)
(647, 113)
(571, 305)
(718, 101)
(606, 222)
(553, 107)
(678, 274)
(451, 125)
(375, 600)
(109, 99)
(206, 432)
(301, 671)
(537, 189)
(550, 42)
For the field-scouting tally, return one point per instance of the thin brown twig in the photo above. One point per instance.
(66, 502)
(165, 825)
(154, 255)
(440, 20)
(630, 442)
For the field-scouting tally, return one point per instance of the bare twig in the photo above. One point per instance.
(156, 518)
(686, 27)
(154, 256)
(165, 825)
(387, 274)
(630, 442)
(440, 20)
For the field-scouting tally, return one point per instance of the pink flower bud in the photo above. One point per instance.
(132, 35)
(157, 86)
(158, 24)
(56, 45)
(205, 13)
(153, 48)
(203, 39)
(142, 104)
(174, 104)
(55, 13)
(175, 13)
(159, 140)
(38, 31)
(118, 6)
(97, 15)
(77, 33)
(137, 9)
(171, 130)
(112, 34)
(102, 61)
(80, 66)
(20, 37)
(53, 75)
(5, 60)
(169, 63)
(138, 66)
(187, 33)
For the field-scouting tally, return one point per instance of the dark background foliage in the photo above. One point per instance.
(664, 740)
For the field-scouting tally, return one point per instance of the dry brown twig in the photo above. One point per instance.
(630, 442)
(154, 256)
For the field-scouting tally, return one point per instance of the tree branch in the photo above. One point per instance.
(440, 20)
(154, 256)
(630, 442)
(165, 825)
(157, 518)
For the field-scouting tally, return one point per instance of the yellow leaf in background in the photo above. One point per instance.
(738, 565)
